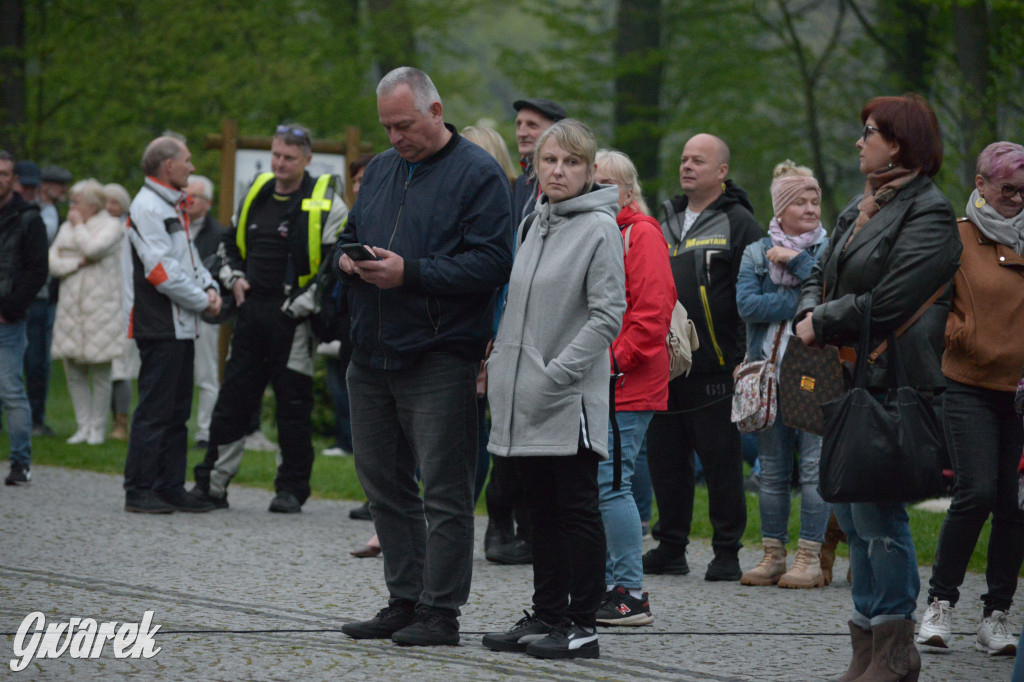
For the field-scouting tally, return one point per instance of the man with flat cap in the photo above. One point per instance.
(53, 188)
(503, 543)
(27, 180)
(534, 115)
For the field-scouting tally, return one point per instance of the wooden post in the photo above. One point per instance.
(228, 146)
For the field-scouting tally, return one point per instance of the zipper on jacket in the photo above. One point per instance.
(380, 292)
(711, 325)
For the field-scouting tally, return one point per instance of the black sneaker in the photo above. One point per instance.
(217, 502)
(725, 567)
(146, 502)
(185, 501)
(512, 553)
(496, 535)
(663, 561)
(285, 503)
(526, 631)
(566, 640)
(18, 475)
(430, 627)
(361, 513)
(387, 622)
(622, 608)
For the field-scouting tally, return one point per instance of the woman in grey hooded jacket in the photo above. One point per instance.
(549, 385)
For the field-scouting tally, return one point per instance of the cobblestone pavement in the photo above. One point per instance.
(245, 594)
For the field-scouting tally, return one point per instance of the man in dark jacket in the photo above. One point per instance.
(503, 542)
(707, 230)
(206, 233)
(23, 268)
(286, 222)
(436, 211)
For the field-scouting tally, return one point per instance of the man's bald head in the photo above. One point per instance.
(703, 167)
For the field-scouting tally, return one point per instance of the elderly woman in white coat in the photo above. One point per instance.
(549, 388)
(88, 332)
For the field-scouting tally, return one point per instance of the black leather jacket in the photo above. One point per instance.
(909, 249)
(23, 256)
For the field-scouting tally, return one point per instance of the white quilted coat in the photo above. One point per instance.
(89, 327)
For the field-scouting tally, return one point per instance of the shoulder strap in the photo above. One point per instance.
(625, 245)
(906, 325)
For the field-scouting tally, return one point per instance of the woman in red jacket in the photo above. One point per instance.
(639, 355)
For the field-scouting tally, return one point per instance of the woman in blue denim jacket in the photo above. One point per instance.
(769, 281)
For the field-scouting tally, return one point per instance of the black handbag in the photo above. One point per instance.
(880, 448)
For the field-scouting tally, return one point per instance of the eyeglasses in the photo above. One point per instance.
(291, 130)
(1009, 191)
(868, 129)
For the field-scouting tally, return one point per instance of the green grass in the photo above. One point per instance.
(335, 477)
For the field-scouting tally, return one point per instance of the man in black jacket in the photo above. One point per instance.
(504, 494)
(23, 268)
(707, 230)
(206, 233)
(286, 222)
(436, 211)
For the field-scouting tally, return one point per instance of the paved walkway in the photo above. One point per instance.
(245, 594)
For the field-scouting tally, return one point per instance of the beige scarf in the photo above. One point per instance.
(881, 188)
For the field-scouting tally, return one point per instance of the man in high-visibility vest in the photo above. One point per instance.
(285, 223)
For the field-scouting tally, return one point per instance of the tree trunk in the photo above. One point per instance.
(978, 124)
(639, 62)
(12, 75)
(394, 40)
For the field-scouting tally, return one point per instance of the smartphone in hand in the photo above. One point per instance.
(358, 251)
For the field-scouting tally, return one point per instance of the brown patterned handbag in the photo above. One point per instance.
(808, 377)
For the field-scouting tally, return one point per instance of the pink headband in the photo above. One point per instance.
(787, 188)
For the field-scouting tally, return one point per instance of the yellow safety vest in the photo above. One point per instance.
(315, 206)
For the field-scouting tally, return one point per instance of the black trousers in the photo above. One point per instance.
(671, 442)
(158, 440)
(984, 437)
(263, 346)
(568, 536)
(506, 499)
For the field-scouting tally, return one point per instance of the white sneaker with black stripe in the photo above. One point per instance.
(566, 640)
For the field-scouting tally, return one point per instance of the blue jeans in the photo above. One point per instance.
(623, 564)
(421, 416)
(777, 447)
(39, 319)
(883, 561)
(12, 391)
(339, 396)
(643, 489)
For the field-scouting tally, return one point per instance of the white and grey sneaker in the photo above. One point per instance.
(994, 636)
(936, 625)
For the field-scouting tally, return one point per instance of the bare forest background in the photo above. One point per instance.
(86, 84)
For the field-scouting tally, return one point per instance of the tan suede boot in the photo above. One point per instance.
(833, 536)
(806, 571)
(771, 566)
(894, 657)
(119, 431)
(861, 641)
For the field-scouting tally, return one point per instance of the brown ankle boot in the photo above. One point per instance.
(861, 640)
(894, 657)
(120, 427)
(806, 571)
(771, 566)
(833, 535)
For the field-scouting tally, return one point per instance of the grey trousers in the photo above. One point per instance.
(422, 417)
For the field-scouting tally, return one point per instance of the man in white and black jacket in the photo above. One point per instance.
(707, 229)
(167, 290)
(437, 211)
